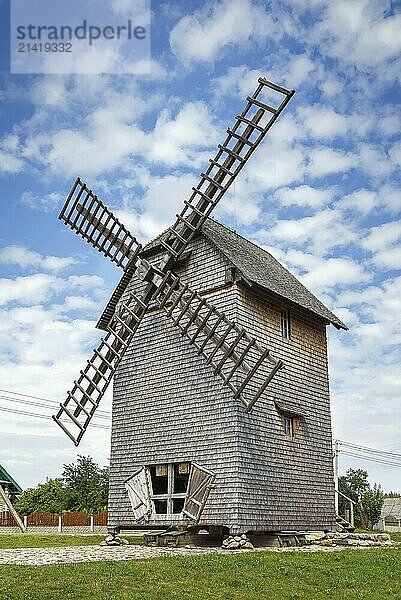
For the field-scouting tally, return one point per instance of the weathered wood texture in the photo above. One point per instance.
(169, 407)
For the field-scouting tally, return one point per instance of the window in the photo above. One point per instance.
(172, 491)
(169, 487)
(288, 425)
(285, 324)
(292, 418)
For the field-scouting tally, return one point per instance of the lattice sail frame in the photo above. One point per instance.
(236, 357)
(249, 129)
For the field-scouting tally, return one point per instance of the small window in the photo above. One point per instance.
(288, 425)
(169, 487)
(285, 324)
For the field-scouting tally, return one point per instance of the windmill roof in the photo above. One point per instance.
(257, 266)
(391, 508)
(6, 478)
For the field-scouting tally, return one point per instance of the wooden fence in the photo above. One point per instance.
(6, 519)
(42, 519)
(47, 519)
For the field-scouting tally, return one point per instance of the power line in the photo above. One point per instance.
(40, 404)
(370, 450)
(53, 403)
(372, 459)
(29, 414)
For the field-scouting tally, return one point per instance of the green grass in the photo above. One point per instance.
(26, 540)
(373, 574)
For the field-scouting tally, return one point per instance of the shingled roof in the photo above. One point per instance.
(257, 267)
(5, 478)
(261, 268)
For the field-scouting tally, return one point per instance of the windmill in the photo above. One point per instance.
(236, 357)
(207, 427)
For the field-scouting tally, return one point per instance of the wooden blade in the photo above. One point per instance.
(92, 220)
(82, 401)
(242, 140)
(242, 363)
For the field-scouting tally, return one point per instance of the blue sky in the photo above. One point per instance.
(322, 193)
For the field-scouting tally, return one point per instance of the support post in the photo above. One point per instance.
(26, 522)
(12, 510)
(336, 497)
(351, 507)
(60, 524)
(92, 524)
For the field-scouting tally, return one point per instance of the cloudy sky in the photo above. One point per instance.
(323, 194)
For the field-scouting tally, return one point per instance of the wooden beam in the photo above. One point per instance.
(12, 509)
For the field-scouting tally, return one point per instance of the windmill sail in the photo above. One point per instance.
(92, 220)
(250, 127)
(75, 414)
(242, 363)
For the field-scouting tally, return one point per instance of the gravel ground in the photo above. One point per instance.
(81, 554)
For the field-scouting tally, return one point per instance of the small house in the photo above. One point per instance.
(10, 488)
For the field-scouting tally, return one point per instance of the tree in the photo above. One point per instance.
(46, 497)
(87, 485)
(369, 501)
(83, 486)
(371, 506)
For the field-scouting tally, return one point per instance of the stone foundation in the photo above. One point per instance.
(350, 539)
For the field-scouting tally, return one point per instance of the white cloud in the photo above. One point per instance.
(162, 199)
(395, 153)
(363, 201)
(204, 34)
(29, 290)
(278, 166)
(44, 202)
(304, 195)
(24, 258)
(322, 122)
(325, 161)
(331, 86)
(334, 272)
(374, 160)
(237, 81)
(383, 236)
(10, 159)
(389, 258)
(384, 242)
(321, 274)
(299, 69)
(323, 231)
(110, 138)
(359, 32)
(178, 139)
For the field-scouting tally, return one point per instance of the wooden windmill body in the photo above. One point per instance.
(208, 427)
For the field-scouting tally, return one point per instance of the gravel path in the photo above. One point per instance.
(81, 554)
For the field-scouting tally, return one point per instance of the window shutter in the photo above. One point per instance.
(199, 484)
(139, 491)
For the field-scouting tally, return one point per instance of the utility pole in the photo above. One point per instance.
(336, 453)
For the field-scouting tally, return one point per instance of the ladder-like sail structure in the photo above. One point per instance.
(92, 220)
(249, 129)
(242, 363)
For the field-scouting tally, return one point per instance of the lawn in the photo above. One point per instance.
(26, 540)
(373, 574)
